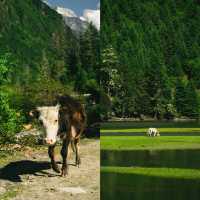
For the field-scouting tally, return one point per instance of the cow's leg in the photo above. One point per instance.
(155, 133)
(64, 153)
(77, 148)
(52, 157)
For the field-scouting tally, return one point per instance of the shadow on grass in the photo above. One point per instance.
(13, 170)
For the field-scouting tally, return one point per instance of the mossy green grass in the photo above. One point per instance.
(149, 143)
(140, 142)
(155, 172)
(161, 130)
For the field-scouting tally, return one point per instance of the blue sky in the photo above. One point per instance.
(76, 5)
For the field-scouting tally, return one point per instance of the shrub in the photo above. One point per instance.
(10, 120)
(93, 115)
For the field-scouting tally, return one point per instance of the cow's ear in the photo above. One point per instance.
(34, 113)
(58, 106)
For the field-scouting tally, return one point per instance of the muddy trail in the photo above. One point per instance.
(28, 176)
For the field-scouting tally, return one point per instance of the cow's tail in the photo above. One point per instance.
(82, 124)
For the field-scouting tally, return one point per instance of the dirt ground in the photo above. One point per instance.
(30, 177)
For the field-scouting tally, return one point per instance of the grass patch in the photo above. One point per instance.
(156, 172)
(161, 130)
(154, 143)
(6, 156)
(11, 192)
(9, 154)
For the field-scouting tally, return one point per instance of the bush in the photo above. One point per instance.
(30, 140)
(10, 120)
(93, 114)
(170, 112)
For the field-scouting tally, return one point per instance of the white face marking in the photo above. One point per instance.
(49, 117)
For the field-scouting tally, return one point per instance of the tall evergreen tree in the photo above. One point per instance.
(157, 47)
(191, 101)
(180, 96)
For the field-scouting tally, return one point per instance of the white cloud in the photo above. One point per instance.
(92, 16)
(98, 6)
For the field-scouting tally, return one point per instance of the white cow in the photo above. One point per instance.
(153, 132)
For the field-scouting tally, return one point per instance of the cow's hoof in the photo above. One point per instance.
(56, 168)
(78, 162)
(64, 172)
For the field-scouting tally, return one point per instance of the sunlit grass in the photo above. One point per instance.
(161, 130)
(11, 192)
(157, 172)
(144, 142)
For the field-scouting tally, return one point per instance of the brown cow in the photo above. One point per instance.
(67, 120)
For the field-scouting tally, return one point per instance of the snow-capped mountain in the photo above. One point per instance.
(65, 12)
(77, 24)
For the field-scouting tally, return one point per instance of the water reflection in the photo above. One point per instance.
(116, 186)
(139, 187)
(162, 158)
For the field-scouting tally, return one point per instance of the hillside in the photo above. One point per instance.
(41, 58)
(37, 38)
(153, 47)
(34, 33)
(72, 20)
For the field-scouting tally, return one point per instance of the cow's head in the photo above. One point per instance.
(49, 117)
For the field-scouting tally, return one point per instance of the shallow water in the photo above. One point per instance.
(141, 187)
(156, 158)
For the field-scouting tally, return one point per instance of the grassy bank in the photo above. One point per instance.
(144, 142)
(155, 172)
(161, 130)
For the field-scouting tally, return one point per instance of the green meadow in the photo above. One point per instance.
(163, 130)
(155, 172)
(151, 143)
(175, 140)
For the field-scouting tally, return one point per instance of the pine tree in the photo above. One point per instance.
(191, 102)
(180, 96)
(109, 74)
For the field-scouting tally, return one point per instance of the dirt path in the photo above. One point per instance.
(30, 177)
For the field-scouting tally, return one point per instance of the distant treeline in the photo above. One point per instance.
(41, 58)
(151, 57)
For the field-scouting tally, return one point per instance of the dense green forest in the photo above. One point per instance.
(40, 58)
(151, 57)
